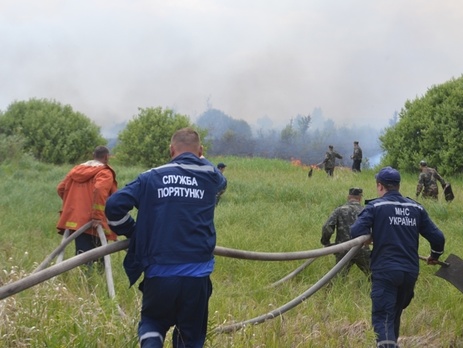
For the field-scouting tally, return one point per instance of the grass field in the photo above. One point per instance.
(271, 206)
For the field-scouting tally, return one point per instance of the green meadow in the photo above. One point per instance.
(269, 206)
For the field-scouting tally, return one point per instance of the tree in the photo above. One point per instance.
(429, 128)
(145, 140)
(52, 132)
(226, 135)
(303, 123)
(218, 123)
(233, 143)
(288, 134)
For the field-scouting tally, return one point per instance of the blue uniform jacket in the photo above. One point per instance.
(175, 218)
(395, 223)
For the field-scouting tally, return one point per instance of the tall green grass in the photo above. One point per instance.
(270, 205)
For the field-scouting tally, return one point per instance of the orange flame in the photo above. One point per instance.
(298, 163)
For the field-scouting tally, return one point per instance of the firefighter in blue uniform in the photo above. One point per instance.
(171, 242)
(395, 224)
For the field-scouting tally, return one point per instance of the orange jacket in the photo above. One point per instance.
(84, 192)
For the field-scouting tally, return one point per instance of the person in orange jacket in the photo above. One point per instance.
(84, 192)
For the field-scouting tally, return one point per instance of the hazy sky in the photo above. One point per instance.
(358, 60)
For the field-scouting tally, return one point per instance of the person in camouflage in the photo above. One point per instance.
(330, 160)
(221, 166)
(340, 220)
(427, 182)
(356, 157)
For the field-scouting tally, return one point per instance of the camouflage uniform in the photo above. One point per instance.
(221, 166)
(357, 158)
(330, 161)
(427, 182)
(341, 219)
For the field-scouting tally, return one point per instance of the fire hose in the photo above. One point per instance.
(42, 275)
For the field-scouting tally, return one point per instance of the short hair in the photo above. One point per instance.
(100, 151)
(356, 142)
(186, 138)
(330, 146)
(390, 187)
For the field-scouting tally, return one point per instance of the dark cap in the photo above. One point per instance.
(355, 191)
(388, 175)
(356, 142)
(330, 146)
(423, 163)
(221, 165)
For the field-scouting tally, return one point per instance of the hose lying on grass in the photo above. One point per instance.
(296, 301)
(75, 261)
(293, 273)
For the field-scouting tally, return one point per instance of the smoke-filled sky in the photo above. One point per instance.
(357, 60)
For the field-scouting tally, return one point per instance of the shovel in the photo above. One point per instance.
(451, 270)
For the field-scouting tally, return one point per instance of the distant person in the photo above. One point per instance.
(394, 224)
(221, 166)
(172, 241)
(330, 160)
(356, 157)
(340, 221)
(427, 182)
(84, 192)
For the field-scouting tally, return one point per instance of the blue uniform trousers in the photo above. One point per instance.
(177, 301)
(391, 293)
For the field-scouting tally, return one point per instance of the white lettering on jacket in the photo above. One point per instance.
(180, 192)
(403, 218)
(402, 221)
(402, 211)
(180, 180)
(175, 191)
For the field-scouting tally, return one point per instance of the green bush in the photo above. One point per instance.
(430, 129)
(52, 132)
(146, 138)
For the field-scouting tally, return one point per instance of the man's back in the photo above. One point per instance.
(398, 222)
(427, 182)
(429, 177)
(341, 219)
(182, 192)
(330, 158)
(84, 191)
(357, 155)
(174, 223)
